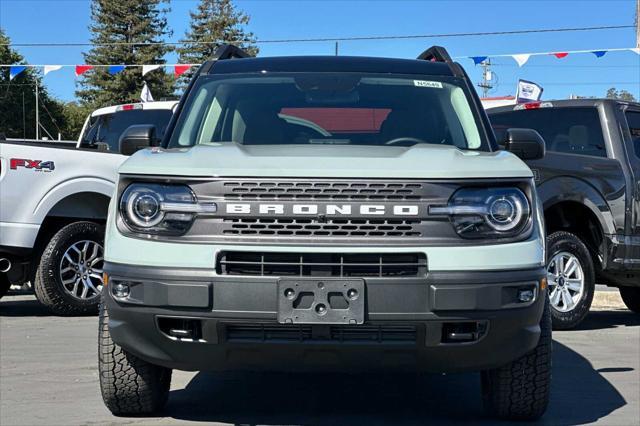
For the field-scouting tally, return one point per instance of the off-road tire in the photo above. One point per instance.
(129, 385)
(631, 298)
(520, 390)
(48, 287)
(565, 241)
(5, 284)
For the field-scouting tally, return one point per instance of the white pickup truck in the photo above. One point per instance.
(54, 198)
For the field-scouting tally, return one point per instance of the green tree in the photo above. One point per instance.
(75, 116)
(622, 95)
(18, 100)
(125, 21)
(213, 23)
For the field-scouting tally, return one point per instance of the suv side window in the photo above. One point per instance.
(633, 121)
(569, 130)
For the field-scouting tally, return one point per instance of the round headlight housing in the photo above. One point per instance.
(143, 208)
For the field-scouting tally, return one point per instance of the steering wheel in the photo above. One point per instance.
(404, 139)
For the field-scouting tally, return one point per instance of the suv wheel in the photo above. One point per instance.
(129, 385)
(5, 285)
(69, 278)
(571, 279)
(631, 298)
(520, 389)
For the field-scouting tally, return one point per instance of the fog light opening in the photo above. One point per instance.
(121, 290)
(526, 295)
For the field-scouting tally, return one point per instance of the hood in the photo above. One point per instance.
(325, 161)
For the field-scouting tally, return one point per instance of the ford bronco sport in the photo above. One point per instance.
(327, 213)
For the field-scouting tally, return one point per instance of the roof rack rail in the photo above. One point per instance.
(229, 51)
(435, 54)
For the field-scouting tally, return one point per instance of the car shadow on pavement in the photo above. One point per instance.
(579, 395)
(599, 320)
(22, 306)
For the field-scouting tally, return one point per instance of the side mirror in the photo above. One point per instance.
(137, 137)
(525, 143)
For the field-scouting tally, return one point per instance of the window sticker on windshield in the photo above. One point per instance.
(424, 83)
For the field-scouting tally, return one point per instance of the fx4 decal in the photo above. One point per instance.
(36, 165)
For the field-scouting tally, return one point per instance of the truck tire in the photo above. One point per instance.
(520, 390)
(69, 277)
(5, 285)
(571, 278)
(631, 298)
(129, 385)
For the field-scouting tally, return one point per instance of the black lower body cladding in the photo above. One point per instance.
(446, 321)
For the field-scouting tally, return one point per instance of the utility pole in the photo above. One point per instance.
(337, 45)
(487, 77)
(37, 113)
(638, 24)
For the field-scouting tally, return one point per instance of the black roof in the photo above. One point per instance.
(329, 64)
(566, 103)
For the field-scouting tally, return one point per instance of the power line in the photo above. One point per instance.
(326, 39)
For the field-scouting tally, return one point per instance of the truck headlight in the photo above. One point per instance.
(152, 208)
(487, 212)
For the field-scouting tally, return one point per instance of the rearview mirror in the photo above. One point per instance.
(525, 143)
(137, 137)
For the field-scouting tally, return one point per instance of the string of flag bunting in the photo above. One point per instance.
(179, 69)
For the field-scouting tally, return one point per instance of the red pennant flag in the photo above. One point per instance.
(81, 69)
(561, 55)
(180, 69)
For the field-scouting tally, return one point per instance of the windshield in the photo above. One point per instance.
(104, 131)
(326, 108)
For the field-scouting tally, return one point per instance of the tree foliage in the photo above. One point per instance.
(213, 23)
(125, 21)
(18, 100)
(622, 95)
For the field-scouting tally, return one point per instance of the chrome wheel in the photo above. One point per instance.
(566, 281)
(81, 270)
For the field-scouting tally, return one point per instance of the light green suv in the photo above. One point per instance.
(327, 213)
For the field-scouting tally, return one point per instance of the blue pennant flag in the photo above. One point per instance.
(115, 69)
(478, 59)
(14, 70)
(599, 53)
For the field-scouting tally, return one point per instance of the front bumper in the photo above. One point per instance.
(407, 322)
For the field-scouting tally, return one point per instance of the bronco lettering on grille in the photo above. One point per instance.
(326, 209)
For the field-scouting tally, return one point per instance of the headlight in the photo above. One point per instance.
(160, 209)
(487, 212)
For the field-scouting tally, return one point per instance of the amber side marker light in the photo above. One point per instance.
(543, 283)
(105, 279)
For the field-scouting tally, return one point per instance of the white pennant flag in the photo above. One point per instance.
(49, 68)
(521, 59)
(146, 96)
(636, 49)
(148, 68)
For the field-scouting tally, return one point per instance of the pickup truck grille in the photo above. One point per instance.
(321, 264)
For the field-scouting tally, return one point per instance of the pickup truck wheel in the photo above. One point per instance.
(520, 389)
(631, 298)
(5, 285)
(69, 277)
(129, 385)
(571, 279)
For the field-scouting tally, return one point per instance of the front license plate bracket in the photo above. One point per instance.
(321, 301)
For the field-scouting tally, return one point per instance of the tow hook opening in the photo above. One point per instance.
(463, 332)
(186, 329)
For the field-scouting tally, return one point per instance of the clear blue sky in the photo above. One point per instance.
(67, 21)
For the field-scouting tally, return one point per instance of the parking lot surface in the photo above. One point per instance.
(48, 376)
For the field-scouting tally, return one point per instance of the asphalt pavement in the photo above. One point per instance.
(48, 376)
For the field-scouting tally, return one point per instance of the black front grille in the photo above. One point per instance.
(321, 190)
(322, 264)
(330, 228)
(274, 333)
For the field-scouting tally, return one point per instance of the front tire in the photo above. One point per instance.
(571, 279)
(520, 390)
(129, 385)
(631, 298)
(5, 284)
(69, 277)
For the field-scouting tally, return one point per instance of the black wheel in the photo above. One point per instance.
(520, 389)
(571, 278)
(129, 385)
(5, 285)
(69, 277)
(631, 298)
